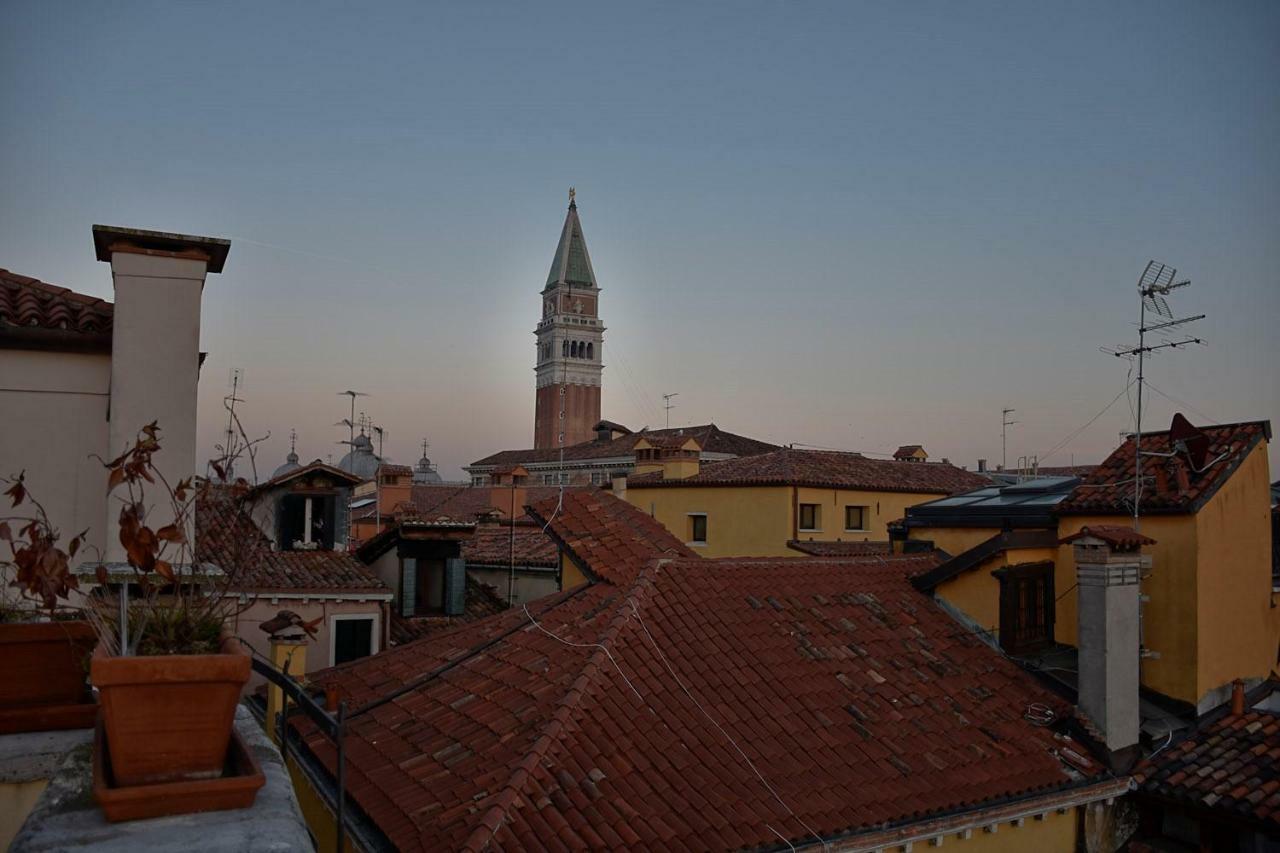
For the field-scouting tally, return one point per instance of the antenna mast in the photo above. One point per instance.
(1004, 424)
(1153, 286)
(228, 444)
(351, 421)
(668, 405)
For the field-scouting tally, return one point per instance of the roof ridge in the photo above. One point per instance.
(561, 722)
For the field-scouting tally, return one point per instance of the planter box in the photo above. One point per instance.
(42, 676)
(169, 718)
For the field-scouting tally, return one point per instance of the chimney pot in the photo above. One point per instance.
(982, 466)
(1237, 697)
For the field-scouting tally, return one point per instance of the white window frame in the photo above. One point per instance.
(374, 646)
(866, 512)
(706, 525)
(817, 517)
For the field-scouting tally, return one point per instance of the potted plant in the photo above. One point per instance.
(168, 673)
(44, 646)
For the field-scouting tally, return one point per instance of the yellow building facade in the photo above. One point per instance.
(1209, 614)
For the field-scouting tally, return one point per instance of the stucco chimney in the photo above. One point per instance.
(1109, 563)
(618, 484)
(982, 466)
(155, 349)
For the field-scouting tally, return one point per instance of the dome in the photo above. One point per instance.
(290, 464)
(424, 473)
(361, 461)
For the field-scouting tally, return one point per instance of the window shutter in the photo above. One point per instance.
(455, 586)
(408, 585)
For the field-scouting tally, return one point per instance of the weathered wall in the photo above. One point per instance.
(1237, 626)
(741, 521)
(319, 649)
(882, 507)
(55, 421)
(531, 584)
(1172, 584)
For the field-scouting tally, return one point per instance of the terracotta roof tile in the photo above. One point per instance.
(1117, 536)
(492, 546)
(228, 537)
(827, 548)
(638, 709)
(710, 438)
(1170, 483)
(30, 303)
(824, 469)
(1229, 766)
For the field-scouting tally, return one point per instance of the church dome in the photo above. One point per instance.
(290, 464)
(361, 461)
(424, 473)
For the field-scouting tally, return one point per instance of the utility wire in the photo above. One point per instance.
(1089, 423)
(1177, 402)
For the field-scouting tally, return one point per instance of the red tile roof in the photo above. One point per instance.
(821, 548)
(227, 537)
(607, 537)
(1117, 536)
(492, 546)
(465, 503)
(481, 600)
(1171, 485)
(823, 469)
(906, 451)
(710, 438)
(315, 466)
(733, 703)
(1229, 766)
(29, 303)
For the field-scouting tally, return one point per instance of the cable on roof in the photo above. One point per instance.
(727, 736)
(600, 646)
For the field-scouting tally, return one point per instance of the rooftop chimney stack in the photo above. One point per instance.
(1109, 564)
(982, 466)
(155, 349)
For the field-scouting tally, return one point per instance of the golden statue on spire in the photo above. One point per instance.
(571, 195)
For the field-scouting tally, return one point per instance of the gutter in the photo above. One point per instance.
(982, 820)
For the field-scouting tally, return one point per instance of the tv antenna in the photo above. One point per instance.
(1005, 423)
(667, 405)
(382, 434)
(350, 423)
(228, 444)
(1155, 283)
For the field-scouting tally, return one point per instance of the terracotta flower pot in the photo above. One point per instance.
(168, 718)
(42, 676)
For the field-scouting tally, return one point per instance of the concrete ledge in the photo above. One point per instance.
(35, 756)
(66, 817)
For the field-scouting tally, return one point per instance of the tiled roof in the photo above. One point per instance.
(1231, 766)
(481, 601)
(1171, 485)
(823, 469)
(29, 303)
(710, 438)
(1065, 470)
(465, 503)
(315, 466)
(828, 548)
(1119, 537)
(386, 468)
(607, 537)
(701, 704)
(227, 537)
(906, 451)
(492, 546)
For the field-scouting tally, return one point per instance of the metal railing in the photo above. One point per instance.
(332, 724)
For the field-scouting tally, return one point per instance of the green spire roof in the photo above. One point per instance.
(572, 264)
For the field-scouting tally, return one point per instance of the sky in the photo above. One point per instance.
(847, 225)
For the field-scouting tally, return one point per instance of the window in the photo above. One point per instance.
(1026, 607)
(352, 637)
(307, 522)
(591, 349)
(566, 349)
(698, 528)
(810, 517)
(597, 478)
(855, 518)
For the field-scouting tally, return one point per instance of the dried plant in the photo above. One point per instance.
(175, 600)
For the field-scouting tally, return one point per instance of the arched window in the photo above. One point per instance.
(591, 350)
(573, 350)
(566, 349)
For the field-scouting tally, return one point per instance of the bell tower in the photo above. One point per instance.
(570, 336)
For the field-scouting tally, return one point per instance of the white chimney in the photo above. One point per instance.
(1109, 564)
(155, 349)
(618, 484)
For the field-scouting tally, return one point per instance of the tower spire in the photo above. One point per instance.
(572, 263)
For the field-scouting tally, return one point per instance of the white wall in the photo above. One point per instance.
(54, 407)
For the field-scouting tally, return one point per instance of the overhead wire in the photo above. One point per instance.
(1076, 432)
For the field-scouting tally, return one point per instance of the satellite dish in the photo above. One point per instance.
(1190, 440)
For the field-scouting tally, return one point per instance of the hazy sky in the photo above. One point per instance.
(851, 225)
